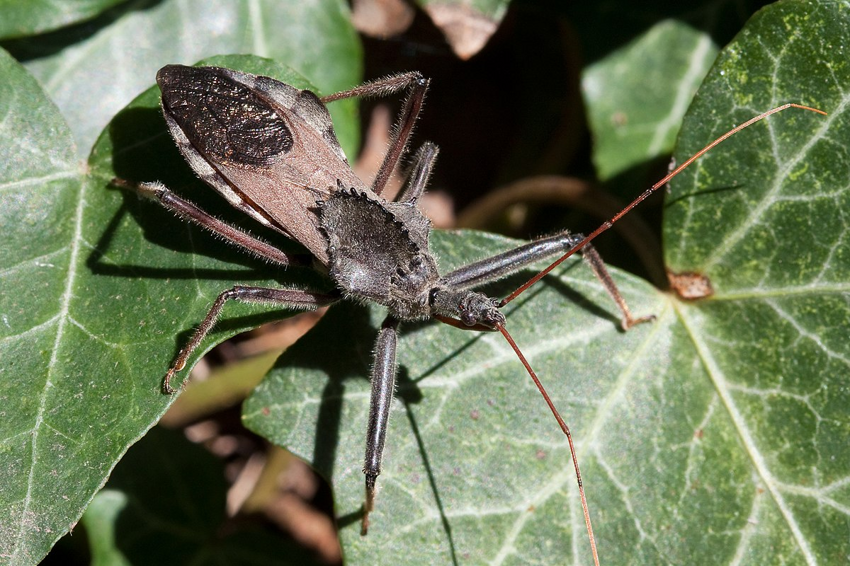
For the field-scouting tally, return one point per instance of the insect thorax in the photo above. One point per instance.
(379, 252)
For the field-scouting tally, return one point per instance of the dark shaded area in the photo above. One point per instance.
(515, 109)
(70, 550)
(154, 526)
(673, 201)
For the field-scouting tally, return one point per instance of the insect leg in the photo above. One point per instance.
(191, 212)
(291, 298)
(423, 164)
(501, 265)
(594, 260)
(383, 388)
(381, 87)
(417, 85)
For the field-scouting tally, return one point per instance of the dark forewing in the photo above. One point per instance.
(267, 147)
(225, 120)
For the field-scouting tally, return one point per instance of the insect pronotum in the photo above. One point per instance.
(271, 151)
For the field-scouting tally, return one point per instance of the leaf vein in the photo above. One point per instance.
(723, 389)
(63, 315)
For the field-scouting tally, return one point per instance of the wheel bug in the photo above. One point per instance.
(271, 151)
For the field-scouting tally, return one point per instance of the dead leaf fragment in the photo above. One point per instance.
(466, 29)
(690, 285)
(381, 18)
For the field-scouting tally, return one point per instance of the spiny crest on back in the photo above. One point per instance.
(378, 250)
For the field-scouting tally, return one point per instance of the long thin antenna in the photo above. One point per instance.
(566, 431)
(648, 192)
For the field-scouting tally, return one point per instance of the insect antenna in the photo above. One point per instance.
(566, 430)
(605, 226)
(648, 192)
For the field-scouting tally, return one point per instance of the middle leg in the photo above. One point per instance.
(417, 85)
(292, 298)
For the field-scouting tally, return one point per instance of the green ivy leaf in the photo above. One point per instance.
(475, 467)
(637, 96)
(18, 19)
(40, 257)
(115, 57)
(765, 219)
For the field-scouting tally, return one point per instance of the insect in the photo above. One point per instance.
(270, 150)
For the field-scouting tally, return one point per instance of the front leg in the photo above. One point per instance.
(511, 261)
(383, 388)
